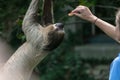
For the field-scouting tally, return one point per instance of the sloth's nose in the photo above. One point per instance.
(59, 25)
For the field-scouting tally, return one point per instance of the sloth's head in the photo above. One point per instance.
(54, 36)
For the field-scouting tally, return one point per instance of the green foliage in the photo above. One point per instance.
(10, 12)
(88, 3)
(8, 8)
(60, 10)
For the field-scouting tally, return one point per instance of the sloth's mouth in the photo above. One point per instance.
(58, 26)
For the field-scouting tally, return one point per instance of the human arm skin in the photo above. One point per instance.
(84, 13)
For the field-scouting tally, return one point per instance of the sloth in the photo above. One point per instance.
(40, 40)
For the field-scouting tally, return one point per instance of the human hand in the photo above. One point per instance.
(84, 13)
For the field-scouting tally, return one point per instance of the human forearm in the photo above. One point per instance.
(106, 28)
(84, 13)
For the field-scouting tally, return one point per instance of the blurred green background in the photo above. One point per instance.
(66, 62)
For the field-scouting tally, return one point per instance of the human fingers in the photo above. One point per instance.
(75, 11)
(77, 14)
(78, 10)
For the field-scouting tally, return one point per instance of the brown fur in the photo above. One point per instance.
(39, 42)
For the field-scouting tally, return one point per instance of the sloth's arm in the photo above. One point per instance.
(31, 28)
(31, 13)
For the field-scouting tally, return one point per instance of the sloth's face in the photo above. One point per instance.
(54, 36)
